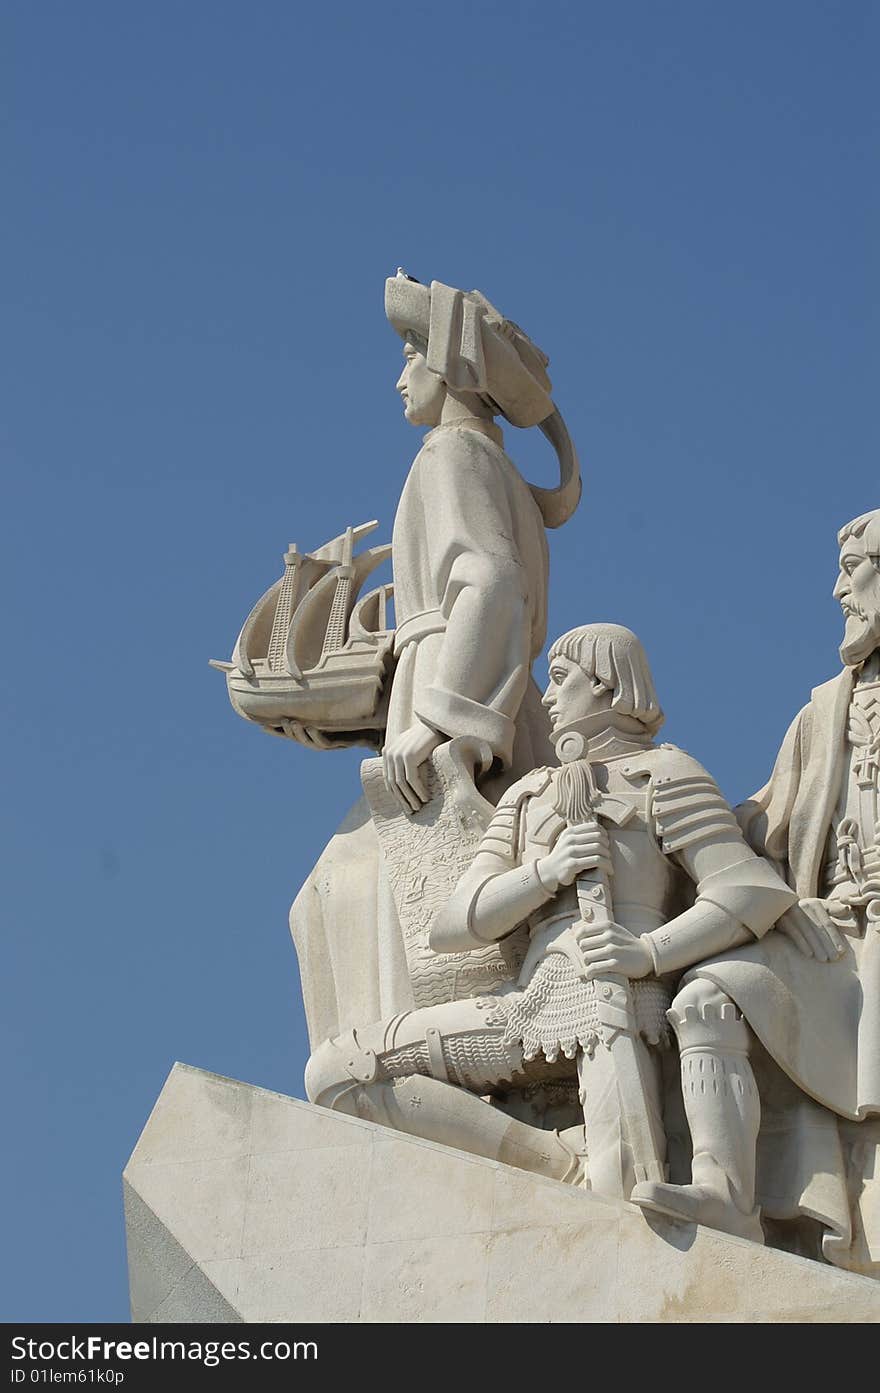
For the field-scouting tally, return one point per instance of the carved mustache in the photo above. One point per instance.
(853, 610)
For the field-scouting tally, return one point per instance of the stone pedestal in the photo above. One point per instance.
(244, 1205)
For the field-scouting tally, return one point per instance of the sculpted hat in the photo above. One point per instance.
(471, 346)
(468, 343)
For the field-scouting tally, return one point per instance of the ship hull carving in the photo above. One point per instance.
(314, 658)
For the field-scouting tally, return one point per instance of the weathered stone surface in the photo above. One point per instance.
(245, 1205)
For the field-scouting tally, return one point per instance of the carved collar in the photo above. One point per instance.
(487, 428)
(611, 744)
(601, 737)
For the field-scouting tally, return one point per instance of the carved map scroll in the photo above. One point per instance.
(425, 854)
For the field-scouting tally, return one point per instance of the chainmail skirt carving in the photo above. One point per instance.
(557, 1011)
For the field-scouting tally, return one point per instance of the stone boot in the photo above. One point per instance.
(723, 1113)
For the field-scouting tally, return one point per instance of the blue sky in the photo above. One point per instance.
(679, 202)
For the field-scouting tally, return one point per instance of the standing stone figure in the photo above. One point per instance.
(810, 992)
(469, 557)
(683, 885)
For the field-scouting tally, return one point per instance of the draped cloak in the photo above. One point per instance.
(818, 1022)
(470, 564)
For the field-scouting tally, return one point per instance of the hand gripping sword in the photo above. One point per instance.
(616, 1091)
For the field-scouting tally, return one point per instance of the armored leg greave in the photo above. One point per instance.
(402, 1074)
(459, 1042)
(723, 1113)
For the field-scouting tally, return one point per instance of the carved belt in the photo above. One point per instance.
(430, 621)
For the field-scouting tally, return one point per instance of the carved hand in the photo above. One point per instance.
(310, 736)
(609, 949)
(581, 847)
(812, 930)
(402, 758)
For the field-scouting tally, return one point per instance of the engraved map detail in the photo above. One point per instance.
(425, 855)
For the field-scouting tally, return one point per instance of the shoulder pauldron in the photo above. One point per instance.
(502, 835)
(686, 805)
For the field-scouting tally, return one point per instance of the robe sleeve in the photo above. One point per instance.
(484, 589)
(764, 818)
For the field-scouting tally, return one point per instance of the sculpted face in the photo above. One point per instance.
(422, 391)
(571, 695)
(858, 590)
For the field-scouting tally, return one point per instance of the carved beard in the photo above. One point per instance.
(861, 637)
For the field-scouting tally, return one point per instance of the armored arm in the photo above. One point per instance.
(497, 892)
(739, 895)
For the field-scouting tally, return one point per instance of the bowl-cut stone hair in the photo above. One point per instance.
(612, 655)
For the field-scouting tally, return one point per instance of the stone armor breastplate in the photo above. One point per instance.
(645, 886)
(553, 1009)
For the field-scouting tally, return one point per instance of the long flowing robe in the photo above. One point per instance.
(818, 1022)
(470, 563)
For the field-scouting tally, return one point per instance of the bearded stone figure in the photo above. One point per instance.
(804, 1002)
(470, 567)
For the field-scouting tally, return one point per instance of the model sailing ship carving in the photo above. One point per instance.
(313, 657)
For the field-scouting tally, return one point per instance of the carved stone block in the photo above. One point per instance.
(244, 1205)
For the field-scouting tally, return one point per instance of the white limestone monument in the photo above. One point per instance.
(587, 1043)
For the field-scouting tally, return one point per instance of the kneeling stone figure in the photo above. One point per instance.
(684, 886)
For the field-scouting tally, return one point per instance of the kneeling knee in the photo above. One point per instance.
(336, 1068)
(703, 1014)
(702, 995)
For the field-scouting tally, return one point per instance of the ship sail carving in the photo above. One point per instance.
(313, 652)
